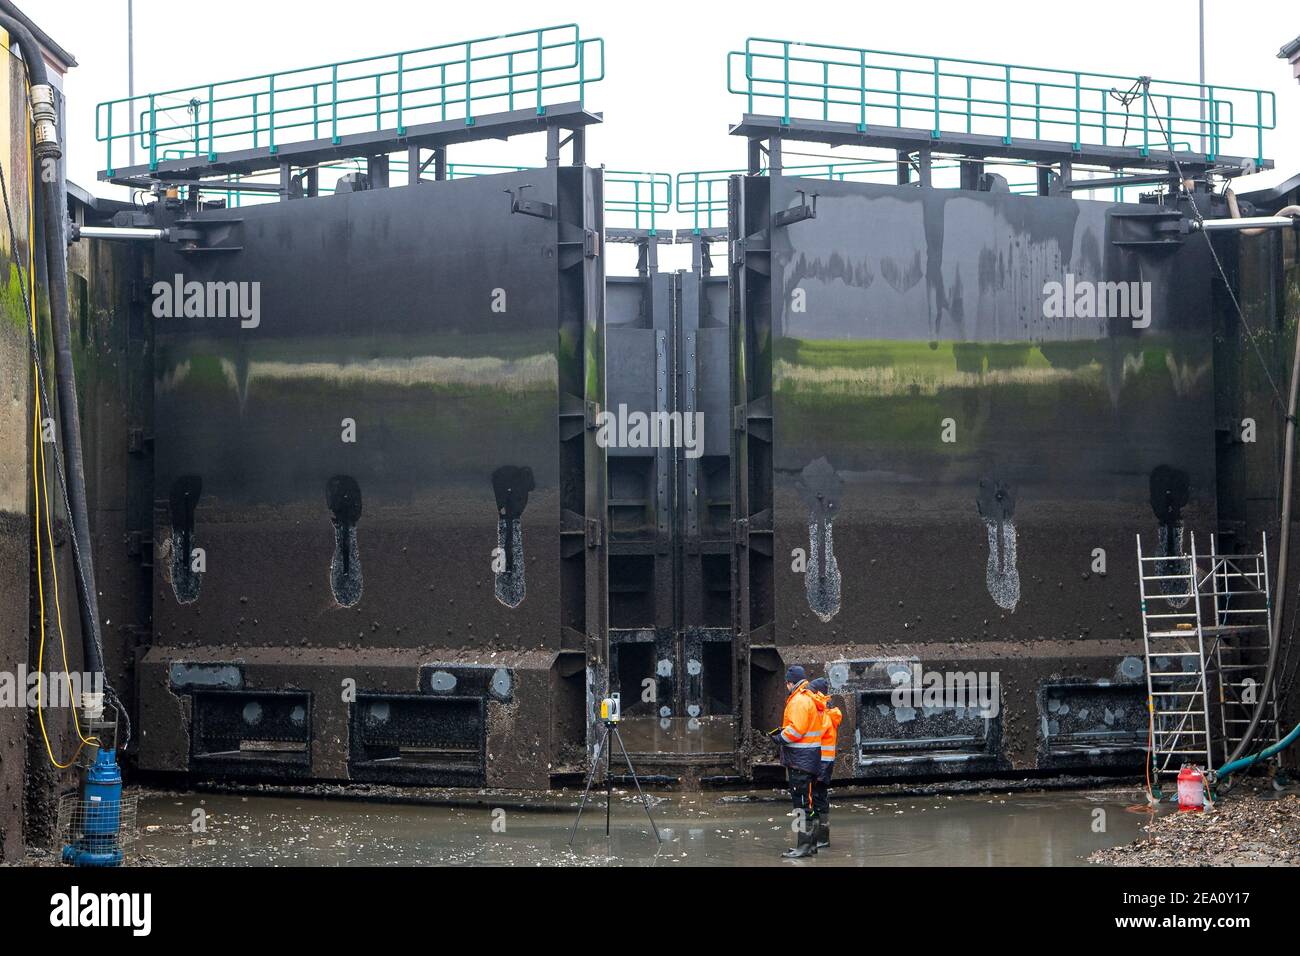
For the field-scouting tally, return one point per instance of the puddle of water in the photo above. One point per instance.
(968, 830)
(650, 736)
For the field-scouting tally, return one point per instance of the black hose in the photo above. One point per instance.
(56, 262)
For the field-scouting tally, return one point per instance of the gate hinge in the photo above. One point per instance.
(591, 243)
(740, 418)
(593, 532)
(591, 412)
(137, 442)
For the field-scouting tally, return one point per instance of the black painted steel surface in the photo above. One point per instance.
(353, 447)
(971, 450)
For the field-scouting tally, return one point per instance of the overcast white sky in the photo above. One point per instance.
(665, 101)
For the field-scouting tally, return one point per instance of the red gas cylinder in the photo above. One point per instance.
(1191, 788)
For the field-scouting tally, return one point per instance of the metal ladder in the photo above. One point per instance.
(1187, 601)
(1243, 606)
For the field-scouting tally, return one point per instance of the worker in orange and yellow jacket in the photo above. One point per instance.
(800, 736)
(819, 689)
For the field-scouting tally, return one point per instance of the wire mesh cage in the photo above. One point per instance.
(97, 831)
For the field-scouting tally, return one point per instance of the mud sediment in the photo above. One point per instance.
(1260, 828)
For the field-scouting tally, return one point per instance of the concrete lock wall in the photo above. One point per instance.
(29, 782)
(15, 477)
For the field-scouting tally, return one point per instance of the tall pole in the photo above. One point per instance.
(130, 79)
(1200, 20)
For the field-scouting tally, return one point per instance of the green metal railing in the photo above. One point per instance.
(637, 200)
(453, 81)
(947, 95)
(702, 194)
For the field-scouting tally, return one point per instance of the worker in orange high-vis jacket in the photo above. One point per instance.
(819, 689)
(800, 736)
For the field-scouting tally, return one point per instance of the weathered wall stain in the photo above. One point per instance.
(511, 485)
(996, 503)
(343, 495)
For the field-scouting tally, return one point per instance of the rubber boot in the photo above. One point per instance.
(806, 845)
(823, 832)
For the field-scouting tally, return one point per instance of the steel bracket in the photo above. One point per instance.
(799, 213)
(529, 207)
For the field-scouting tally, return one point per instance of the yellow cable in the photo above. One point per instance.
(41, 492)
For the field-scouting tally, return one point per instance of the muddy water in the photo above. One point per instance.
(698, 830)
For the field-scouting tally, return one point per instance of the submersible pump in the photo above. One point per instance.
(98, 842)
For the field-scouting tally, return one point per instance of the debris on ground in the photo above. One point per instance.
(1247, 829)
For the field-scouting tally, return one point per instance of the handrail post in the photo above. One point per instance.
(334, 100)
(785, 118)
(934, 134)
(582, 69)
(1078, 115)
(1259, 127)
(212, 148)
(401, 124)
(255, 119)
(270, 114)
(540, 110)
(469, 63)
(862, 91)
(315, 111)
(1146, 124)
(379, 102)
(1213, 113)
(695, 192)
(153, 134)
(898, 97)
(510, 81)
(108, 143)
(1006, 140)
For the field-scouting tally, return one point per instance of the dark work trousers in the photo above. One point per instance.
(801, 791)
(821, 798)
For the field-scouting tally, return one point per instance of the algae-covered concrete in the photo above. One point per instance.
(15, 455)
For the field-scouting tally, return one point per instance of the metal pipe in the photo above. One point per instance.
(130, 80)
(1235, 210)
(1245, 223)
(1108, 182)
(112, 232)
(1200, 22)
